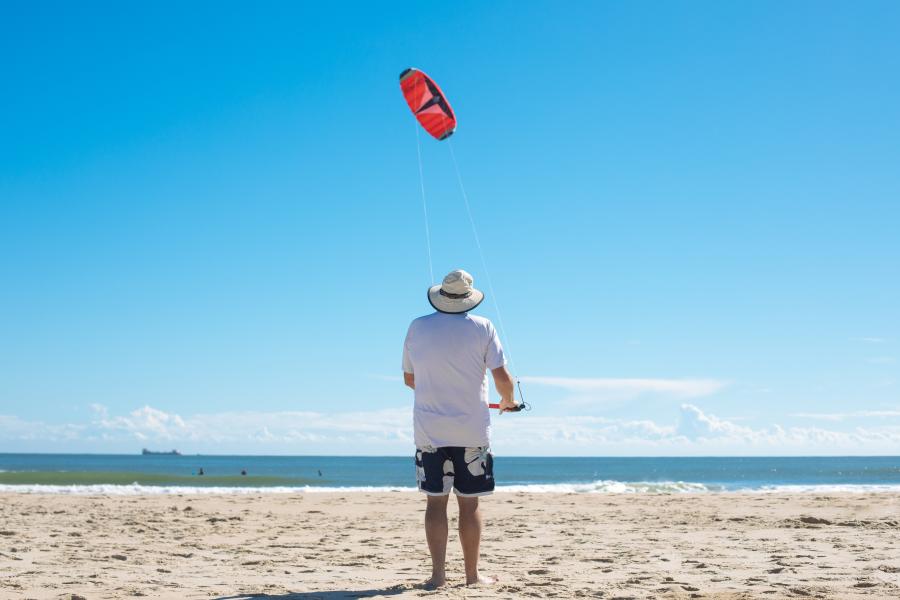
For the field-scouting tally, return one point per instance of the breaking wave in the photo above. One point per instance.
(614, 487)
(596, 487)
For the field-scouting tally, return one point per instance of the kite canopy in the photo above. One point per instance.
(427, 102)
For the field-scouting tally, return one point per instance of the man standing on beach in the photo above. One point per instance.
(446, 357)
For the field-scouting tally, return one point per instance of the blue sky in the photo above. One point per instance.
(211, 233)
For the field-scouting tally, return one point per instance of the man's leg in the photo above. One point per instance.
(470, 538)
(436, 534)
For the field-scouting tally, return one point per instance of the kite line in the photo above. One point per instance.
(424, 208)
(487, 273)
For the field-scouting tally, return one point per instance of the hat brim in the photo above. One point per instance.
(453, 306)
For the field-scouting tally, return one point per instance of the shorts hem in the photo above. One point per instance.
(475, 495)
(447, 493)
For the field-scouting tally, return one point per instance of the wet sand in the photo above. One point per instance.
(354, 545)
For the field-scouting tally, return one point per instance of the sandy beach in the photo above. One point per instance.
(355, 545)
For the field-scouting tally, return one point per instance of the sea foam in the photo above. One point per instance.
(596, 487)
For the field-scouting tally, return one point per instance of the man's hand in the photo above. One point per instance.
(505, 388)
(410, 380)
(508, 405)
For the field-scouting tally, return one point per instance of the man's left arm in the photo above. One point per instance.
(408, 377)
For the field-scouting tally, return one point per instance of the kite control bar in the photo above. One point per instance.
(522, 404)
(518, 408)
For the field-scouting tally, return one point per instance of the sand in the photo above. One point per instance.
(330, 546)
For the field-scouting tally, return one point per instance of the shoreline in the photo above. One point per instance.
(607, 488)
(348, 545)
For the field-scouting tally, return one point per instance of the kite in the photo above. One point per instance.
(428, 103)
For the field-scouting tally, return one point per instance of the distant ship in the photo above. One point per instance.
(169, 453)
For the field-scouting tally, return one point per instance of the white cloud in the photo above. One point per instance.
(697, 426)
(281, 427)
(878, 414)
(694, 432)
(694, 424)
(630, 388)
(541, 435)
(389, 431)
(12, 427)
(144, 423)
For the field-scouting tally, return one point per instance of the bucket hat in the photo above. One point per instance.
(456, 293)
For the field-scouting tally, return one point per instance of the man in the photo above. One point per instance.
(446, 357)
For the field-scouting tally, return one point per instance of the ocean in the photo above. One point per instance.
(161, 474)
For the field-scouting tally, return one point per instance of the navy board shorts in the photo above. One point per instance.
(467, 471)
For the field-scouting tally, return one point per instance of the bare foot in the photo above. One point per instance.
(481, 580)
(434, 583)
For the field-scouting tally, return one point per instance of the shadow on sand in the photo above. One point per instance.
(329, 595)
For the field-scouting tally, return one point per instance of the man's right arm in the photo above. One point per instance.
(505, 387)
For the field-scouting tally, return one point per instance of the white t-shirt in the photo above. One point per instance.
(449, 356)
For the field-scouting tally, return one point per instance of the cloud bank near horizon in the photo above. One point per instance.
(389, 431)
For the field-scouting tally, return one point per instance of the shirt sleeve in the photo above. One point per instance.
(494, 357)
(407, 361)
